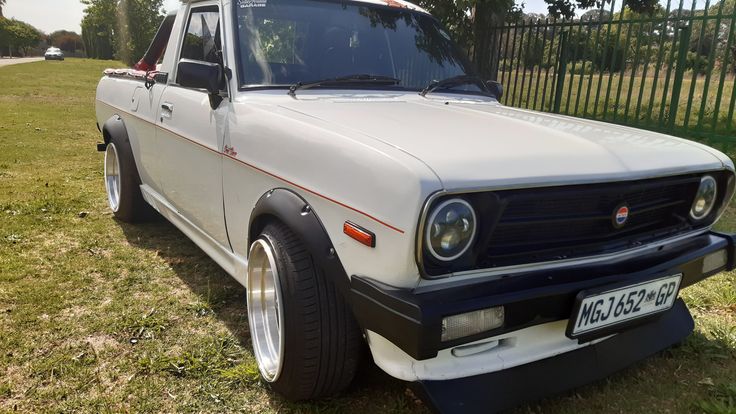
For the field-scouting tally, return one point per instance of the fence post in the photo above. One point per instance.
(561, 69)
(679, 73)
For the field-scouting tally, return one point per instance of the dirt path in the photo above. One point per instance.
(8, 62)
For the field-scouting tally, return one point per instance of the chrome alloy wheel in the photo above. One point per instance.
(112, 177)
(265, 313)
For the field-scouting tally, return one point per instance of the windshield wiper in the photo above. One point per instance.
(358, 78)
(451, 82)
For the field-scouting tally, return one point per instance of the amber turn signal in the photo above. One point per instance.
(360, 234)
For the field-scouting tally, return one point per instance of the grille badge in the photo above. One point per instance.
(620, 215)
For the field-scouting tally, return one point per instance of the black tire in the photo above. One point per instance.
(132, 208)
(323, 343)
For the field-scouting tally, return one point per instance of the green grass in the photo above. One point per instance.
(100, 316)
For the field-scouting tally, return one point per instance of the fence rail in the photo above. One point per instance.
(672, 72)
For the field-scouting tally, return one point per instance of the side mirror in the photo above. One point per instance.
(201, 75)
(496, 88)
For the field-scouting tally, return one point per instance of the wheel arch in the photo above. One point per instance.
(114, 126)
(132, 207)
(294, 211)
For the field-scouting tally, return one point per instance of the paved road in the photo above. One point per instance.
(7, 62)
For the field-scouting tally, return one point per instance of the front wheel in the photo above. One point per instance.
(305, 339)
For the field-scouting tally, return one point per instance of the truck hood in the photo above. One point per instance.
(477, 143)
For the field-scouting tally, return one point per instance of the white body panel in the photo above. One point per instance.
(137, 106)
(476, 143)
(190, 137)
(479, 357)
(278, 148)
(373, 159)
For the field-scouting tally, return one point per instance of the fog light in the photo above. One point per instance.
(715, 261)
(471, 323)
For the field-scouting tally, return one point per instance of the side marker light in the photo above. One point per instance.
(360, 234)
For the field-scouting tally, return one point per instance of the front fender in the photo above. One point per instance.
(291, 209)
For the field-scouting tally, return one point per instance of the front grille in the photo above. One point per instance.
(544, 224)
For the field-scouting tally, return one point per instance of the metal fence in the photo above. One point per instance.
(672, 71)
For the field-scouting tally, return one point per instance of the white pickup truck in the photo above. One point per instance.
(343, 162)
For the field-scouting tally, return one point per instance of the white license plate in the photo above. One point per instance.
(602, 310)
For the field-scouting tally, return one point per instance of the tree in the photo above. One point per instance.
(566, 8)
(138, 21)
(65, 40)
(724, 56)
(121, 29)
(99, 28)
(2, 4)
(4, 36)
(18, 35)
(709, 43)
(533, 52)
(596, 15)
(471, 22)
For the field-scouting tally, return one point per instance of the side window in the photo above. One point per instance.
(202, 39)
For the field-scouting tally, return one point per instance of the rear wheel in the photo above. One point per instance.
(122, 183)
(305, 339)
(112, 177)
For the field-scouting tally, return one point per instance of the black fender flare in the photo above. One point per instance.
(115, 126)
(291, 209)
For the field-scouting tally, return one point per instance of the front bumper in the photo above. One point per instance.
(412, 321)
(498, 391)
(54, 57)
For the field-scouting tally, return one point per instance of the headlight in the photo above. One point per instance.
(705, 198)
(450, 229)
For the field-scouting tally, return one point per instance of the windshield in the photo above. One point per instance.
(283, 42)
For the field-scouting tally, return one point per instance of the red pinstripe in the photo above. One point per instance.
(260, 170)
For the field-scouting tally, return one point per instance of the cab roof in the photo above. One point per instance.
(402, 4)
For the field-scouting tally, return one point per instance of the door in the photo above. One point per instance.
(191, 133)
(144, 106)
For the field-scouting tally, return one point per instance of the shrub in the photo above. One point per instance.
(584, 67)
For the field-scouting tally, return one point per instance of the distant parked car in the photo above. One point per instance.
(54, 53)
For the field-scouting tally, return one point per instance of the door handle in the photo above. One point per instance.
(166, 110)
